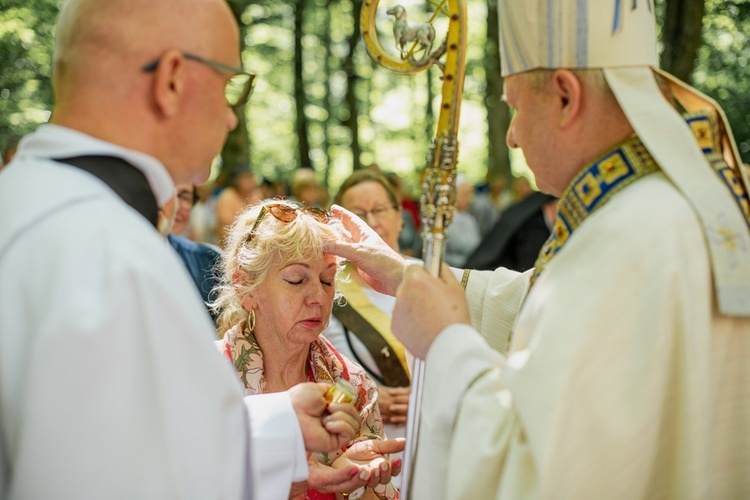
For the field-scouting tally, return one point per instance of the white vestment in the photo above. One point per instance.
(622, 381)
(110, 386)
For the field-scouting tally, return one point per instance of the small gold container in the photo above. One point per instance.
(341, 392)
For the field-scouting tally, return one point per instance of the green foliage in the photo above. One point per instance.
(396, 113)
(26, 31)
(723, 66)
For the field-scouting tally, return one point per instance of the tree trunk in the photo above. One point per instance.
(300, 99)
(236, 150)
(498, 113)
(351, 97)
(326, 41)
(681, 35)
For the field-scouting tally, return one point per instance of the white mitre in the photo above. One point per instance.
(619, 37)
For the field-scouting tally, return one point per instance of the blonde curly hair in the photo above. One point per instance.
(249, 254)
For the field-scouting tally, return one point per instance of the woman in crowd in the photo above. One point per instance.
(361, 327)
(277, 296)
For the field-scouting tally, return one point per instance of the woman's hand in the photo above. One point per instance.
(393, 403)
(371, 459)
(326, 479)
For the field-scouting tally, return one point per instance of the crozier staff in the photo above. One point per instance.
(625, 373)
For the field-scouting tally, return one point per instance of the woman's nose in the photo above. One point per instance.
(316, 294)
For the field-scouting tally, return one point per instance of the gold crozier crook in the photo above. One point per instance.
(438, 188)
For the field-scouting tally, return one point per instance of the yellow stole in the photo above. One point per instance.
(350, 283)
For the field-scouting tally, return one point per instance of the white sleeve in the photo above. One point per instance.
(277, 449)
(495, 298)
(470, 432)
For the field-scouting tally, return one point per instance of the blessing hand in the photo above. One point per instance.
(380, 265)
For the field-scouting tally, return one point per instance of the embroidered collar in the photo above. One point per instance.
(591, 189)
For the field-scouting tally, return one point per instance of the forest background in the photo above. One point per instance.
(320, 102)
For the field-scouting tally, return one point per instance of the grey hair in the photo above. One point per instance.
(247, 257)
(591, 77)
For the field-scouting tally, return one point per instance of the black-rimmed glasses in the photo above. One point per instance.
(237, 89)
(287, 213)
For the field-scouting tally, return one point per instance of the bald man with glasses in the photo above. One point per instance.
(109, 384)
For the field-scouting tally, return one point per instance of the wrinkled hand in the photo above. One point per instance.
(371, 458)
(322, 432)
(425, 306)
(393, 403)
(380, 266)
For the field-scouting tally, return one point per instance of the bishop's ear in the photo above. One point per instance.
(569, 93)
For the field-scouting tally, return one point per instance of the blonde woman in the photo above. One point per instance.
(277, 297)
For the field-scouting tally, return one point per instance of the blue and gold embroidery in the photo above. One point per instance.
(591, 189)
(705, 126)
(626, 163)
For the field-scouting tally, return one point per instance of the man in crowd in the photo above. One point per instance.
(110, 386)
(199, 259)
(626, 372)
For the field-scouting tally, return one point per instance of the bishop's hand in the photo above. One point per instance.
(380, 265)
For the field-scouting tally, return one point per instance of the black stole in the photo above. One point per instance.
(393, 374)
(124, 179)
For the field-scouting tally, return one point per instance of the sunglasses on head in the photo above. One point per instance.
(287, 213)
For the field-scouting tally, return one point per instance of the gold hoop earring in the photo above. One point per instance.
(251, 321)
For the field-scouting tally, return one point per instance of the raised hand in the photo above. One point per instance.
(380, 265)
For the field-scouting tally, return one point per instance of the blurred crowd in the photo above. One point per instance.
(479, 209)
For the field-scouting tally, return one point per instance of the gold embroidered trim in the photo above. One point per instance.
(465, 278)
(591, 189)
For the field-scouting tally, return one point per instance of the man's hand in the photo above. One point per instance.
(380, 265)
(425, 306)
(321, 432)
(393, 403)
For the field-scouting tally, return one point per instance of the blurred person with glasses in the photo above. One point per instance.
(110, 386)
(278, 288)
(201, 260)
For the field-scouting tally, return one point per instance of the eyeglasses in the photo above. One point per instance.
(376, 212)
(187, 198)
(237, 90)
(287, 213)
